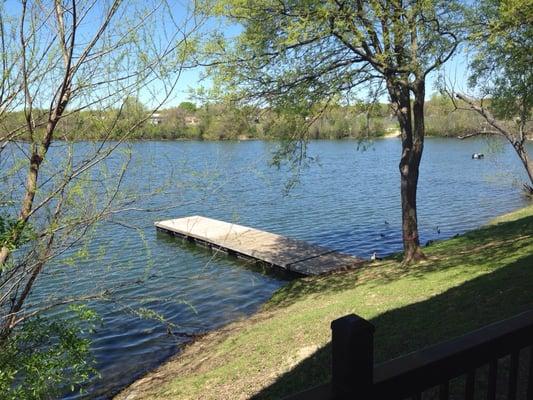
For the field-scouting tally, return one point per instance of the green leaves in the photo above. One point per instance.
(13, 232)
(46, 357)
(501, 38)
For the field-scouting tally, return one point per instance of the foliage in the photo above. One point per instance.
(222, 121)
(302, 56)
(44, 354)
(442, 119)
(14, 233)
(187, 106)
(502, 37)
(70, 70)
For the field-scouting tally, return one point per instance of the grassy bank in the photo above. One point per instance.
(467, 282)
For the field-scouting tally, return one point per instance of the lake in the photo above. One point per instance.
(348, 199)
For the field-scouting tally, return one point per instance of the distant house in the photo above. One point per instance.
(191, 120)
(155, 119)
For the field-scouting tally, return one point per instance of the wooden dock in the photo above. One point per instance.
(288, 254)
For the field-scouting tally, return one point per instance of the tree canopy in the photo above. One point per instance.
(502, 38)
(61, 61)
(294, 54)
(317, 50)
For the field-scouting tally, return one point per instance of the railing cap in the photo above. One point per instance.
(352, 323)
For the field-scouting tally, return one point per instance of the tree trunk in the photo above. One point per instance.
(412, 130)
(27, 203)
(409, 170)
(528, 165)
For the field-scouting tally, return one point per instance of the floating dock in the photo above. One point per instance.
(288, 254)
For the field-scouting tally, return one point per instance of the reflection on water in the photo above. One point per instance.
(348, 201)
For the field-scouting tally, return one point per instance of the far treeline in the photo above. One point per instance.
(226, 121)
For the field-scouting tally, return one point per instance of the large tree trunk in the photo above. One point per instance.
(412, 130)
(409, 170)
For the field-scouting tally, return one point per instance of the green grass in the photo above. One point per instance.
(467, 282)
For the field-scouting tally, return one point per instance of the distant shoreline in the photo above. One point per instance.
(390, 135)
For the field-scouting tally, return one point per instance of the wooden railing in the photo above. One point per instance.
(355, 377)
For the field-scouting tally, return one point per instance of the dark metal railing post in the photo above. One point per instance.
(352, 346)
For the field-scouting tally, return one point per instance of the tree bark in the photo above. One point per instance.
(412, 130)
(27, 202)
(528, 165)
(37, 157)
(409, 170)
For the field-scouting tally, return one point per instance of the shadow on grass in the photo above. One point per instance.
(484, 248)
(478, 302)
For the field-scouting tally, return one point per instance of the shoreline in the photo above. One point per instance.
(196, 355)
(392, 135)
(189, 351)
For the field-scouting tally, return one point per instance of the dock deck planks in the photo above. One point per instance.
(282, 252)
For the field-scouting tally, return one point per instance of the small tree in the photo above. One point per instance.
(70, 64)
(501, 39)
(293, 54)
(188, 106)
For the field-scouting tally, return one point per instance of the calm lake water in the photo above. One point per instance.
(348, 200)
